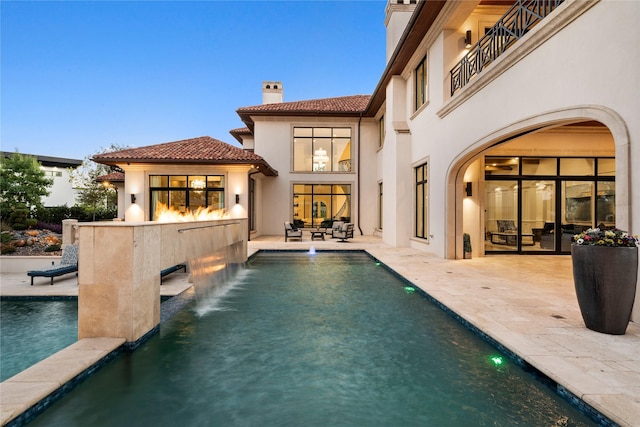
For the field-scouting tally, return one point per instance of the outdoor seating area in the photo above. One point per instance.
(338, 230)
(68, 264)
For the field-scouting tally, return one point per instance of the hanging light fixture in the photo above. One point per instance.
(320, 159)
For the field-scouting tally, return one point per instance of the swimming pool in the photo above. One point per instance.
(330, 339)
(31, 331)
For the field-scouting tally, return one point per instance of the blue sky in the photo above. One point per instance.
(79, 76)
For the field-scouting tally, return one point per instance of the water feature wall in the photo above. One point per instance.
(120, 263)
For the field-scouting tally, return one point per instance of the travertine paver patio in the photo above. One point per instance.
(527, 303)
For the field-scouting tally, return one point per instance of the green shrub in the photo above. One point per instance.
(52, 248)
(5, 237)
(466, 242)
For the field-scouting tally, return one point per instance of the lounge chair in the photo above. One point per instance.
(346, 232)
(172, 269)
(68, 264)
(291, 232)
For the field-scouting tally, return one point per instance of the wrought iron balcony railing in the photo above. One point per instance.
(514, 24)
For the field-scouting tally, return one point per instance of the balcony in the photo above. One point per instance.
(513, 25)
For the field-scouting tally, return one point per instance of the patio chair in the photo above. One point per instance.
(291, 232)
(336, 228)
(346, 232)
(68, 264)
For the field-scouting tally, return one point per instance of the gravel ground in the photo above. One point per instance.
(34, 243)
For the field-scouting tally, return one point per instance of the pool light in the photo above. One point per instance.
(409, 289)
(497, 361)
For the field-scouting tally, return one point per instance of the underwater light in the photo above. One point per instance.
(377, 263)
(409, 289)
(497, 360)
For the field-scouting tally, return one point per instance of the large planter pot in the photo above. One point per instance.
(605, 280)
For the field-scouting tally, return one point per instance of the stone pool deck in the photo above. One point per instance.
(526, 303)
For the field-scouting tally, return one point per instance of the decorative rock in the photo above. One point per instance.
(32, 233)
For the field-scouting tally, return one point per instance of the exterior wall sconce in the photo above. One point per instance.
(467, 39)
(237, 199)
(133, 198)
(467, 189)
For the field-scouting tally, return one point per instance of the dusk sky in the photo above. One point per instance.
(79, 76)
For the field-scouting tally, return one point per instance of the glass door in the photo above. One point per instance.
(578, 198)
(538, 215)
(501, 216)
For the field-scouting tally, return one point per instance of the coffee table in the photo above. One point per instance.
(317, 234)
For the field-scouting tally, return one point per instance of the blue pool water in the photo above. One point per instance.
(31, 331)
(301, 340)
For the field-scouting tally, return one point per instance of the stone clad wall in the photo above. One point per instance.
(120, 264)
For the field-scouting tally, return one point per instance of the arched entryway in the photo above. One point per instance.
(528, 188)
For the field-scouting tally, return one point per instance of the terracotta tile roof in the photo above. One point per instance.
(238, 132)
(202, 150)
(350, 106)
(344, 104)
(111, 177)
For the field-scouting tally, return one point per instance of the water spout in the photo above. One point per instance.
(215, 264)
(312, 250)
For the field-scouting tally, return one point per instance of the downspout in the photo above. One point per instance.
(359, 172)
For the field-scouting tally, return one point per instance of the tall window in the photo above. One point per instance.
(380, 206)
(182, 192)
(421, 83)
(252, 204)
(321, 149)
(382, 131)
(422, 201)
(318, 205)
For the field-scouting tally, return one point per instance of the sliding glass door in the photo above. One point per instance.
(537, 204)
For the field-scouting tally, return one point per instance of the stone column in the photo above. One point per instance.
(69, 232)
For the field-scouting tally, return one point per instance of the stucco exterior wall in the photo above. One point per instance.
(559, 80)
(274, 142)
(137, 182)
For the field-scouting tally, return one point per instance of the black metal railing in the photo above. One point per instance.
(514, 24)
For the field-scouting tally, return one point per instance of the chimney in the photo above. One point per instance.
(272, 92)
(398, 13)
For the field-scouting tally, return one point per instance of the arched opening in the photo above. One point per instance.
(538, 182)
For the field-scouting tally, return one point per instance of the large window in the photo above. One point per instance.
(252, 204)
(422, 201)
(380, 206)
(321, 149)
(421, 83)
(318, 205)
(539, 203)
(186, 192)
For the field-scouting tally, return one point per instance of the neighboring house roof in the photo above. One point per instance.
(347, 106)
(237, 133)
(111, 177)
(49, 161)
(203, 150)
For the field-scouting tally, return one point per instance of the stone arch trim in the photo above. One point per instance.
(608, 117)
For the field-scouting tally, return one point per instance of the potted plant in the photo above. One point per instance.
(466, 245)
(605, 271)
